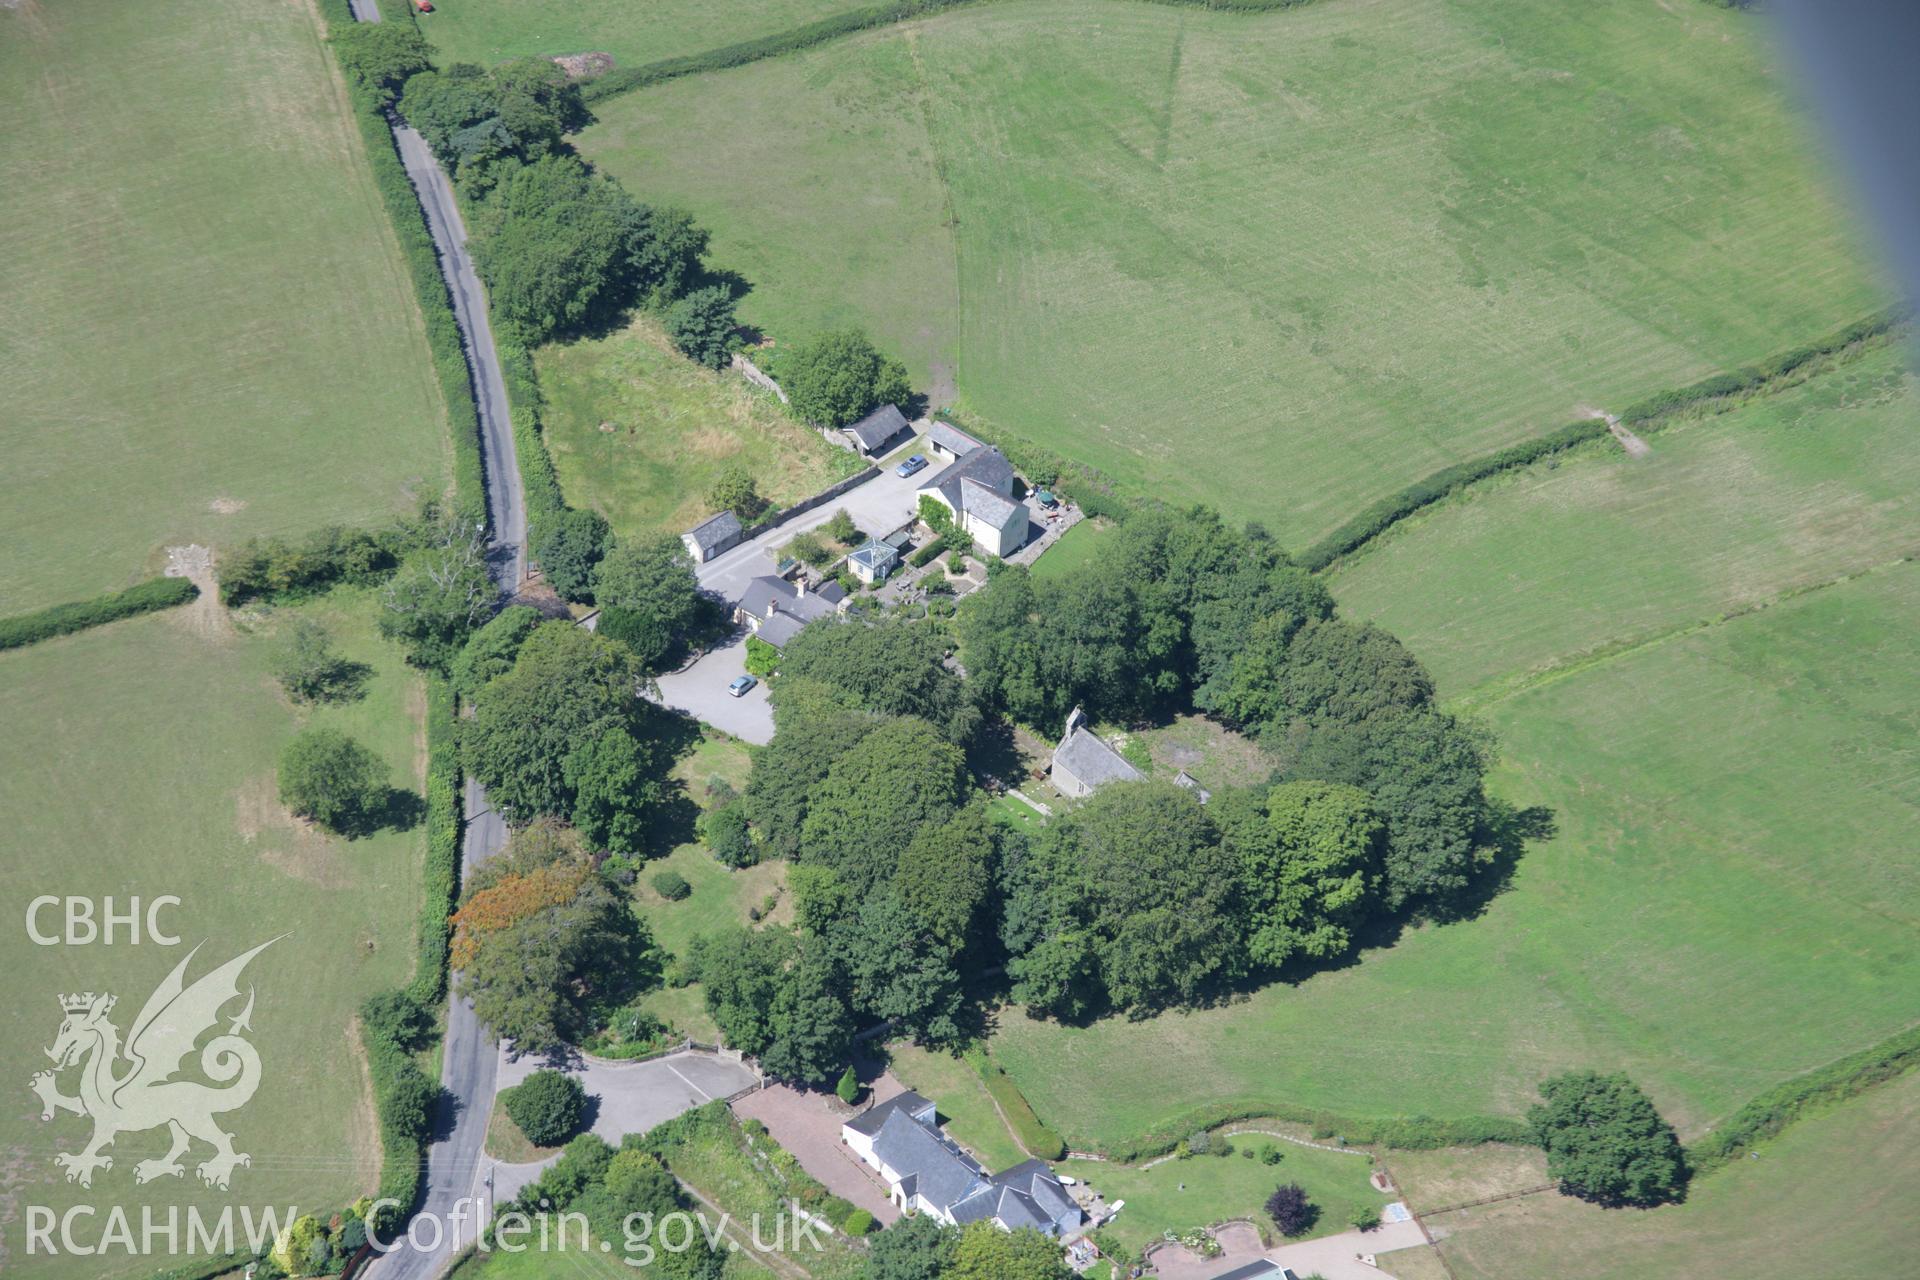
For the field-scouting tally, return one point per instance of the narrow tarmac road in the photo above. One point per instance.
(470, 1057)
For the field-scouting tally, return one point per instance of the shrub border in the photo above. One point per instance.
(1648, 415)
(1407, 1133)
(78, 615)
(1029, 1130)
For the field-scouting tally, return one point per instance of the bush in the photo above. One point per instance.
(926, 554)
(762, 658)
(734, 490)
(548, 1107)
(848, 1087)
(841, 528)
(1270, 1154)
(858, 1223)
(1291, 1211)
(1199, 1143)
(808, 549)
(956, 562)
(671, 885)
(728, 836)
(63, 619)
(1365, 1218)
(310, 671)
(330, 778)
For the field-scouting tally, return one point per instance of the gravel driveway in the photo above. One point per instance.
(806, 1125)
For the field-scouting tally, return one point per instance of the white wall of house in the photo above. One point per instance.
(995, 540)
(859, 1143)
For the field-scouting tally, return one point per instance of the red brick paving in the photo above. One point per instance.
(808, 1125)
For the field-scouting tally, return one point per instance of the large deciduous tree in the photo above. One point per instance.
(1605, 1142)
(874, 799)
(839, 377)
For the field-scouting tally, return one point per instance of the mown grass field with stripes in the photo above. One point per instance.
(1283, 263)
(490, 31)
(208, 328)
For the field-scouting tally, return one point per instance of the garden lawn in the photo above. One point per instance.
(143, 764)
(671, 428)
(1846, 1175)
(965, 1105)
(1282, 263)
(210, 329)
(1181, 1195)
(1729, 901)
(1077, 549)
(1549, 565)
(490, 31)
(721, 897)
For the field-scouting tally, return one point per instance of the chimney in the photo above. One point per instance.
(800, 585)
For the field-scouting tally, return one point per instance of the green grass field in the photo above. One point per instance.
(1183, 1194)
(1728, 902)
(1282, 263)
(674, 427)
(210, 332)
(1546, 566)
(1844, 1173)
(489, 31)
(1077, 548)
(143, 764)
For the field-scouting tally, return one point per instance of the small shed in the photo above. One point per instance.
(874, 432)
(712, 536)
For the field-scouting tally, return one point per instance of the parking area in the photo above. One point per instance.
(700, 690)
(808, 1125)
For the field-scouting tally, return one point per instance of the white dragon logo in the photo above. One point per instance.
(145, 1095)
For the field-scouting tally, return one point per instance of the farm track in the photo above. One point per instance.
(469, 1058)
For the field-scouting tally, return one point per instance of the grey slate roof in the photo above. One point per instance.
(986, 465)
(1092, 761)
(868, 1122)
(780, 629)
(878, 427)
(952, 439)
(941, 1172)
(766, 590)
(832, 592)
(1261, 1270)
(995, 508)
(715, 530)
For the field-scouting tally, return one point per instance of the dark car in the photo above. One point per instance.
(911, 466)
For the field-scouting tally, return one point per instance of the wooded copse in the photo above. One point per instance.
(1138, 898)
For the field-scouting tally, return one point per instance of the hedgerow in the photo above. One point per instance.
(78, 615)
(1032, 1133)
(1786, 1102)
(1410, 1133)
(539, 483)
(1645, 415)
(622, 79)
(429, 285)
(442, 879)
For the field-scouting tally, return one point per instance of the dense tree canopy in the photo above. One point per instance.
(381, 56)
(839, 377)
(540, 935)
(653, 578)
(916, 1248)
(490, 651)
(894, 667)
(1138, 904)
(472, 116)
(564, 733)
(780, 1003)
(985, 1252)
(1605, 1142)
(1309, 858)
(874, 799)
